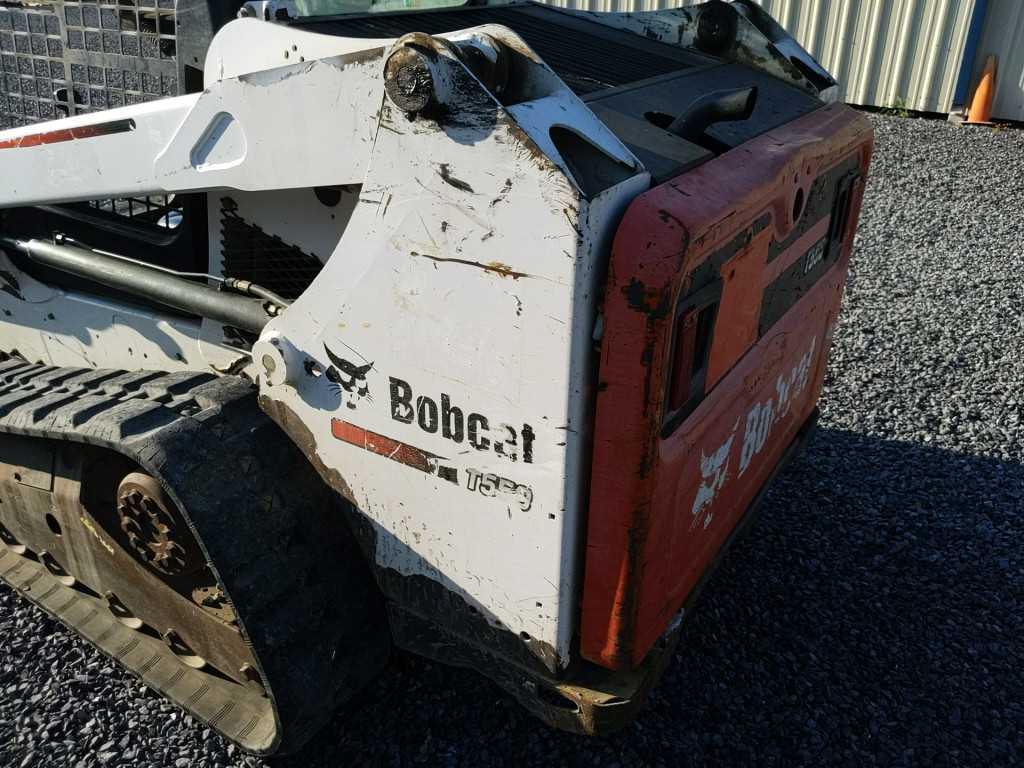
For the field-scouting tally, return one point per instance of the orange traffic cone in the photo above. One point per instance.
(980, 112)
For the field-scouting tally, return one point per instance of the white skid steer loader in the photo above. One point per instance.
(477, 329)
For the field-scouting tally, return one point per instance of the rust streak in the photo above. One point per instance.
(498, 268)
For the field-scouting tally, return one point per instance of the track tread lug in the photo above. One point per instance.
(296, 578)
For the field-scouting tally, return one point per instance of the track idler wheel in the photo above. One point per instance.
(157, 533)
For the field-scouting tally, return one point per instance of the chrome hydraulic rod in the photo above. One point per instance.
(244, 313)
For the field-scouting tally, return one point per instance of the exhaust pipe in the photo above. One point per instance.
(243, 313)
(715, 107)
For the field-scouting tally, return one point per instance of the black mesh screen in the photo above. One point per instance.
(250, 253)
(68, 58)
(32, 50)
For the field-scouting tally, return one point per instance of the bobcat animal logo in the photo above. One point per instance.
(714, 470)
(348, 377)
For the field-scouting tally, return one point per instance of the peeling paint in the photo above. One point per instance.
(233, 368)
(445, 173)
(503, 194)
(303, 437)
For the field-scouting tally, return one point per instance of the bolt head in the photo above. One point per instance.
(408, 80)
(269, 366)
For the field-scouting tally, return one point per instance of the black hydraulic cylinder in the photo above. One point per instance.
(242, 312)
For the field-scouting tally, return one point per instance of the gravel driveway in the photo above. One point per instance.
(875, 616)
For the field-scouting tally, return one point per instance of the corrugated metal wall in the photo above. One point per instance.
(882, 52)
(1003, 35)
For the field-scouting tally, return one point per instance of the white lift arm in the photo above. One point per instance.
(305, 125)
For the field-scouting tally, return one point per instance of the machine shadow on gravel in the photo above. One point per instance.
(871, 607)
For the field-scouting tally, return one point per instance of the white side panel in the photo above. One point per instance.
(441, 359)
(56, 327)
(439, 339)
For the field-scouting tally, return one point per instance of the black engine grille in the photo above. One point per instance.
(586, 55)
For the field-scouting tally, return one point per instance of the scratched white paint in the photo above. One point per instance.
(466, 277)
(454, 316)
(763, 416)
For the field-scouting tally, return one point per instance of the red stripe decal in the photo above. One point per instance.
(69, 134)
(385, 446)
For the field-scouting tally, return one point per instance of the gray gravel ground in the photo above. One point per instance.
(875, 616)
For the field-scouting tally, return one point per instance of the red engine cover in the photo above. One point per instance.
(762, 235)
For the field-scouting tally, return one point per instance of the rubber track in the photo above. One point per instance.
(314, 618)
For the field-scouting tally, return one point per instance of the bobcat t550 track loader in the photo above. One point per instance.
(476, 331)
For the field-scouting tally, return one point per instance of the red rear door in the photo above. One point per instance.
(723, 291)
